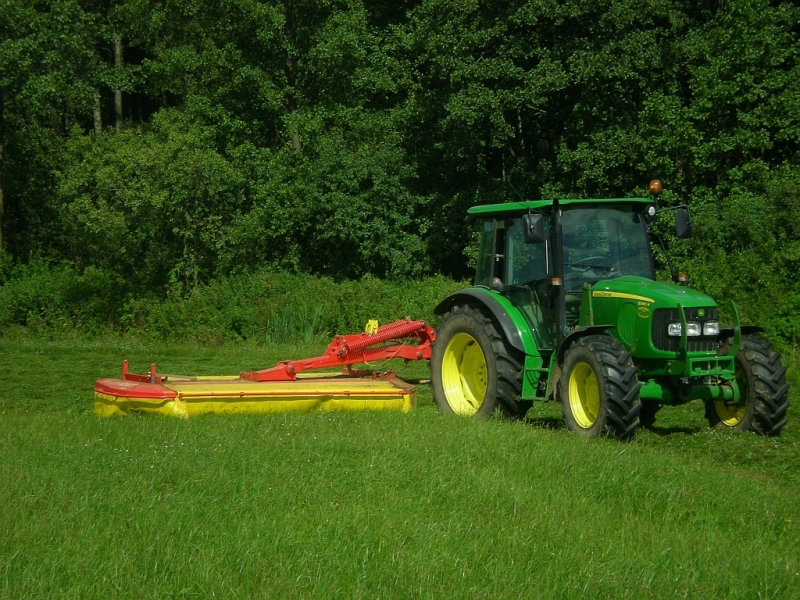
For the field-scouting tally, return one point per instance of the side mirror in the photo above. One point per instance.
(683, 223)
(533, 228)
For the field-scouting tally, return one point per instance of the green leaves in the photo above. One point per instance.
(347, 138)
(152, 205)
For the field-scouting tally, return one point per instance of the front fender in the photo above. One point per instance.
(580, 332)
(736, 331)
(728, 331)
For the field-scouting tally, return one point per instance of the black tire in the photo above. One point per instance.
(762, 384)
(647, 414)
(598, 388)
(474, 370)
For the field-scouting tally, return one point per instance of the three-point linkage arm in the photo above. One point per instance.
(358, 348)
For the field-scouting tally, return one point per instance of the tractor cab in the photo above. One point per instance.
(601, 240)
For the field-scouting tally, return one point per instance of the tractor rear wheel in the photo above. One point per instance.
(474, 370)
(762, 385)
(598, 388)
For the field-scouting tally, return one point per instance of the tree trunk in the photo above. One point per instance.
(98, 116)
(296, 145)
(118, 91)
(2, 165)
(291, 31)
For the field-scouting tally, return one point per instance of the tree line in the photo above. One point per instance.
(169, 143)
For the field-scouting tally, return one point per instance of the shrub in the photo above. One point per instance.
(40, 297)
(271, 307)
(265, 306)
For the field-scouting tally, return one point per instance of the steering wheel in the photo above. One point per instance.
(533, 282)
(589, 259)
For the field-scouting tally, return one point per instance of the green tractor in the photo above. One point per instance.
(565, 307)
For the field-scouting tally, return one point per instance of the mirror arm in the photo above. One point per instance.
(687, 223)
(668, 208)
(660, 240)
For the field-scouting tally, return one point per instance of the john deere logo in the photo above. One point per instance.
(701, 313)
(643, 312)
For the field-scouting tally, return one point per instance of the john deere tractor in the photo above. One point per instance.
(565, 307)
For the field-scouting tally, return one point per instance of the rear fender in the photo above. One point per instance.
(506, 315)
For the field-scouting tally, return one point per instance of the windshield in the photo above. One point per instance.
(603, 243)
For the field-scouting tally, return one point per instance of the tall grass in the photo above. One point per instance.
(264, 307)
(367, 505)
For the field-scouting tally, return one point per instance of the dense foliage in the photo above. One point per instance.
(159, 146)
(262, 306)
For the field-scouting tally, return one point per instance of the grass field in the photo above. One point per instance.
(372, 505)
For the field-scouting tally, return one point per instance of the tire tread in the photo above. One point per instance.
(620, 383)
(508, 362)
(767, 375)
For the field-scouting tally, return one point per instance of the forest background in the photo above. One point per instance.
(231, 169)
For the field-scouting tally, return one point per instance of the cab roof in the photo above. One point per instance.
(511, 208)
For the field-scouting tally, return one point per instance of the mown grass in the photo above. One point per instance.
(372, 505)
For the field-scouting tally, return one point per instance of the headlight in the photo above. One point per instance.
(711, 328)
(692, 328)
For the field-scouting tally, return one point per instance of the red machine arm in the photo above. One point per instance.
(347, 350)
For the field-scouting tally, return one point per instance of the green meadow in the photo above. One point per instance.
(217, 185)
(372, 505)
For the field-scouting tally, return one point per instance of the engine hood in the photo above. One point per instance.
(661, 294)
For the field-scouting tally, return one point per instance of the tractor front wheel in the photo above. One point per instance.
(598, 388)
(763, 389)
(474, 370)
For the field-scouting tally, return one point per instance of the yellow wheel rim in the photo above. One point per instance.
(584, 395)
(732, 414)
(464, 374)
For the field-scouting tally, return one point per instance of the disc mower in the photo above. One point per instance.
(290, 385)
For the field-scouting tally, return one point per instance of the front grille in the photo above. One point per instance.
(664, 316)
